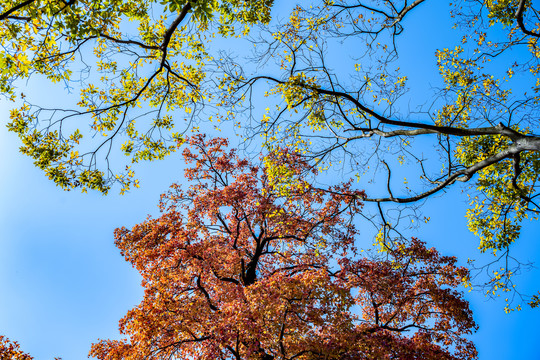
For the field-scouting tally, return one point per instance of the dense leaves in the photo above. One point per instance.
(232, 269)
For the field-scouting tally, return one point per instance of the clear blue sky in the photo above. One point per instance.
(63, 284)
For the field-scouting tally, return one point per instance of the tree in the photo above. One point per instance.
(480, 128)
(236, 269)
(481, 123)
(159, 62)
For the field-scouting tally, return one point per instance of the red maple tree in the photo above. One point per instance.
(239, 268)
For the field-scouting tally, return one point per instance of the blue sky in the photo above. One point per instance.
(64, 284)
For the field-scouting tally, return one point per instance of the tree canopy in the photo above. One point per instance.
(233, 269)
(159, 62)
(155, 76)
(324, 81)
(479, 127)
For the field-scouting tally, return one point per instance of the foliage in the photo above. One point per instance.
(479, 127)
(234, 270)
(158, 62)
(264, 246)
(10, 350)
(157, 77)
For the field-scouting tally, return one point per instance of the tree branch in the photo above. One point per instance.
(525, 144)
(6, 14)
(519, 18)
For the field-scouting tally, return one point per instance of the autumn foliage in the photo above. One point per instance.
(10, 350)
(235, 269)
